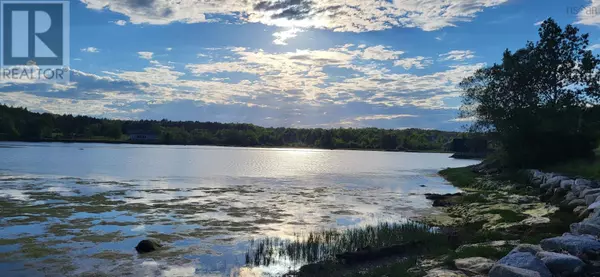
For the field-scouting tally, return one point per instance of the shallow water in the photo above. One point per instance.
(71, 209)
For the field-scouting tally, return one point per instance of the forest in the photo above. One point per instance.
(19, 124)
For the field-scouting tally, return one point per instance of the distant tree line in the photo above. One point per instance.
(21, 124)
(541, 102)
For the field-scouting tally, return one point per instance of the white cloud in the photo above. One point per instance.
(538, 23)
(594, 47)
(290, 83)
(588, 15)
(90, 50)
(416, 62)
(282, 37)
(169, 49)
(457, 55)
(381, 53)
(121, 22)
(337, 15)
(383, 117)
(146, 55)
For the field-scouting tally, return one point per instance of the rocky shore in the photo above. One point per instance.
(574, 253)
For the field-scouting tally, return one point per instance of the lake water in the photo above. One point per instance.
(73, 209)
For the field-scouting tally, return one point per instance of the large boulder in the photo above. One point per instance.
(583, 182)
(588, 191)
(500, 270)
(553, 182)
(591, 198)
(574, 244)
(562, 264)
(147, 246)
(526, 260)
(567, 184)
(476, 265)
(585, 228)
(570, 196)
(594, 205)
(576, 203)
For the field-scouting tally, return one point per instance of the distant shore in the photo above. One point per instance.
(113, 141)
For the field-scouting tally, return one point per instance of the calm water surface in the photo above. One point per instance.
(75, 209)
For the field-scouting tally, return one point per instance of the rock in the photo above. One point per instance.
(585, 228)
(558, 195)
(500, 270)
(561, 264)
(584, 213)
(577, 189)
(589, 191)
(579, 209)
(147, 246)
(575, 245)
(576, 203)
(526, 260)
(582, 182)
(594, 205)
(595, 214)
(476, 265)
(438, 272)
(566, 184)
(529, 248)
(555, 181)
(570, 196)
(591, 198)
(499, 244)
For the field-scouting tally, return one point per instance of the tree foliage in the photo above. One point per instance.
(541, 101)
(20, 124)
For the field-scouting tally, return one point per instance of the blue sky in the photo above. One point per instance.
(300, 63)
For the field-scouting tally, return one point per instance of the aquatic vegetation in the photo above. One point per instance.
(325, 245)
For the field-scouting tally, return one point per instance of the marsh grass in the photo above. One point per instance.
(325, 245)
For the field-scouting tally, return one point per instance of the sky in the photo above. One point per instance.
(289, 63)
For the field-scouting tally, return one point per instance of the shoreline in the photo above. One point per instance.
(121, 142)
(497, 215)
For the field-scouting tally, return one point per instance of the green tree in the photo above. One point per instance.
(536, 101)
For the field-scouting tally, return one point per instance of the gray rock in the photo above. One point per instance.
(475, 265)
(529, 248)
(579, 209)
(591, 198)
(555, 181)
(561, 264)
(594, 205)
(575, 245)
(570, 197)
(567, 184)
(438, 272)
(500, 270)
(526, 260)
(576, 203)
(577, 189)
(585, 228)
(588, 191)
(595, 214)
(582, 182)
